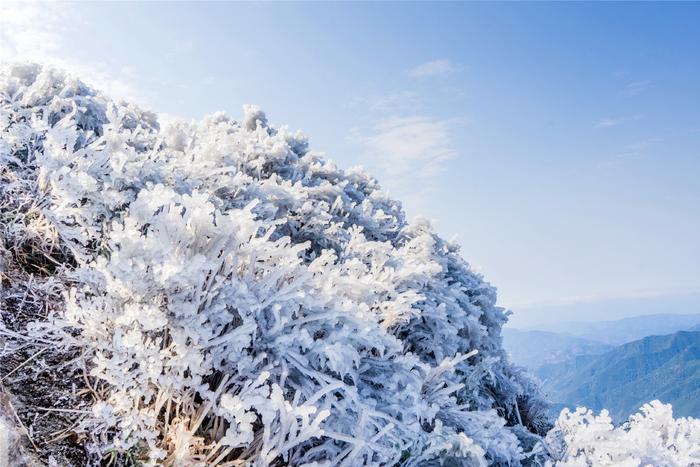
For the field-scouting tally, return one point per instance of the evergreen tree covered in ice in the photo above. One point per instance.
(228, 297)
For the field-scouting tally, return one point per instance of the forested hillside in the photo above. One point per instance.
(666, 368)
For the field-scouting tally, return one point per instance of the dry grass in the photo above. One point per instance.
(39, 381)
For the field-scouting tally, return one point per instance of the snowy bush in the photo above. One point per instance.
(215, 293)
(650, 438)
(235, 299)
(223, 296)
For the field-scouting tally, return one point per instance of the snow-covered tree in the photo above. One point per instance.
(649, 438)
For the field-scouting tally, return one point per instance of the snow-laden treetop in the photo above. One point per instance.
(235, 298)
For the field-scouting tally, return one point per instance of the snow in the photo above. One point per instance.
(235, 296)
(651, 437)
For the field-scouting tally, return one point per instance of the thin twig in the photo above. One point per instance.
(24, 363)
(61, 434)
(51, 409)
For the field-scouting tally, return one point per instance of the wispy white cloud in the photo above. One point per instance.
(639, 146)
(416, 145)
(613, 122)
(637, 87)
(35, 32)
(628, 152)
(395, 102)
(407, 147)
(439, 67)
(608, 123)
(409, 152)
(180, 48)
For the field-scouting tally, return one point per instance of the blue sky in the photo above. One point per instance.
(559, 143)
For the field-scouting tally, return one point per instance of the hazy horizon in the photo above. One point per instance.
(546, 316)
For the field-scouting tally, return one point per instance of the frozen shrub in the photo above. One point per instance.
(236, 299)
(649, 438)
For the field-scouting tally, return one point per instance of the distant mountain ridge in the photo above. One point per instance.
(532, 349)
(629, 329)
(656, 367)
